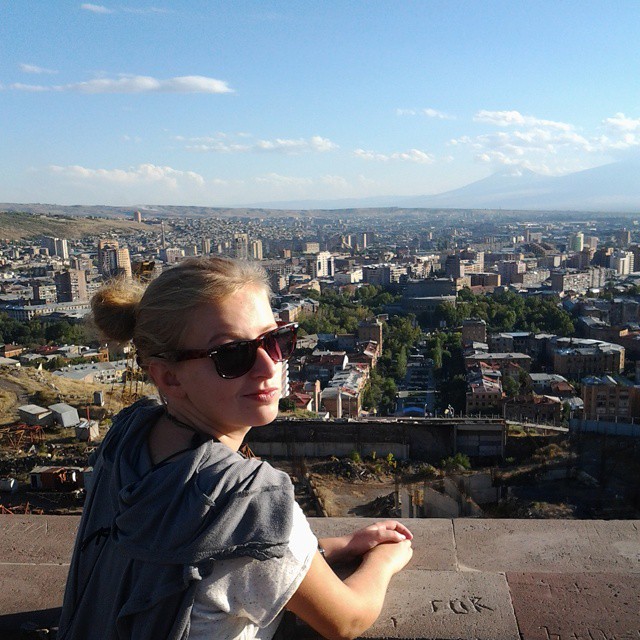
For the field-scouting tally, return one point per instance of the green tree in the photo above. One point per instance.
(510, 386)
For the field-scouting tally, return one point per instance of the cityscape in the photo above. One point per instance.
(424, 314)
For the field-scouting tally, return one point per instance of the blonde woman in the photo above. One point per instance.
(182, 536)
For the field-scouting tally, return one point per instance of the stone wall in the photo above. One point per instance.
(468, 578)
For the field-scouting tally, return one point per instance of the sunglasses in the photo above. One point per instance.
(235, 359)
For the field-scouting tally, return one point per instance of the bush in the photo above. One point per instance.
(354, 456)
(455, 463)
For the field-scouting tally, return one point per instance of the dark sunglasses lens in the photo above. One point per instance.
(236, 359)
(280, 344)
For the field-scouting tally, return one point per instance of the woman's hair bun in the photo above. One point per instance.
(114, 308)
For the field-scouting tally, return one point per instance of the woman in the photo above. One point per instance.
(182, 536)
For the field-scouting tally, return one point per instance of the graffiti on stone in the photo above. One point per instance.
(460, 606)
(592, 634)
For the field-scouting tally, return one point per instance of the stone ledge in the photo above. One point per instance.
(476, 579)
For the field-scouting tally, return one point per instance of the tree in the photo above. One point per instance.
(510, 386)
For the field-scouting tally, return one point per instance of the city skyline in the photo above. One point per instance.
(234, 104)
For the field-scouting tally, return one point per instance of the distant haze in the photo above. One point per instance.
(614, 187)
(610, 188)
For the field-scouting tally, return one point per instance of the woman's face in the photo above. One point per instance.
(226, 406)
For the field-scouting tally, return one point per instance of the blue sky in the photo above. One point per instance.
(238, 102)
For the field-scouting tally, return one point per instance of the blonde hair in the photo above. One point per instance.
(154, 317)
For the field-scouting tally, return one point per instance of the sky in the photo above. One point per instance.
(241, 102)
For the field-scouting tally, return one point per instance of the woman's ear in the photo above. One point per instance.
(165, 378)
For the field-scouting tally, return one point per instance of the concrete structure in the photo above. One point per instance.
(428, 439)
(88, 431)
(64, 414)
(56, 478)
(32, 414)
(468, 578)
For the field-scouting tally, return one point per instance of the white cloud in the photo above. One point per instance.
(294, 146)
(335, 181)
(429, 113)
(515, 118)
(32, 68)
(137, 84)
(283, 181)
(544, 146)
(95, 8)
(99, 8)
(33, 88)
(146, 10)
(413, 155)
(222, 143)
(144, 174)
(434, 113)
(620, 122)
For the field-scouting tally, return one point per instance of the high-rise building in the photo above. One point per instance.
(311, 247)
(205, 246)
(256, 249)
(71, 285)
(322, 265)
(623, 237)
(108, 258)
(576, 241)
(171, 255)
(622, 262)
(591, 241)
(137, 216)
(241, 246)
(56, 246)
(509, 269)
(123, 262)
(113, 260)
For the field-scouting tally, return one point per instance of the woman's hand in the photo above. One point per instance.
(392, 556)
(354, 546)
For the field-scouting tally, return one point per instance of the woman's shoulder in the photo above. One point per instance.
(223, 470)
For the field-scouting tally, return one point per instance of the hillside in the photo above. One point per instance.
(24, 226)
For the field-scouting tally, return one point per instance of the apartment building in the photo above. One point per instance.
(607, 397)
(575, 362)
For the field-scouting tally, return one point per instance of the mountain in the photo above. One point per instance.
(611, 187)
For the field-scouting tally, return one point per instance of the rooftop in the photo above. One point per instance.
(468, 579)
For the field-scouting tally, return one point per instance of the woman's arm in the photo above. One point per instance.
(342, 610)
(353, 546)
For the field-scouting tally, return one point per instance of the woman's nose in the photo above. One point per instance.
(264, 366)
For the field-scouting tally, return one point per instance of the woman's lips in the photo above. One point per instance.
(264, 395)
